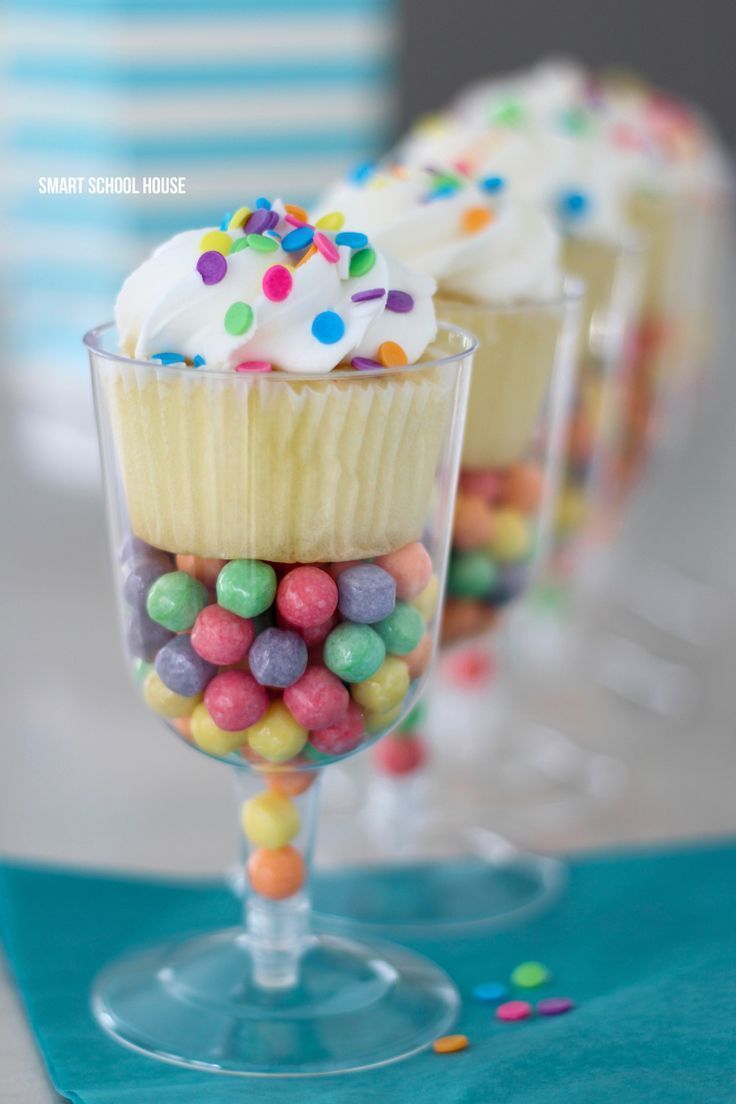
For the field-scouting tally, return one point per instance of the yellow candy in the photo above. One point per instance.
(240, 218)
(426, 601)
(217, 240)
(277, 737)
(380, 722)
(334, 220)
(570, 512)
(270, 820)
(210, 738)
(511, 539)
(164, 701)
(385, 689)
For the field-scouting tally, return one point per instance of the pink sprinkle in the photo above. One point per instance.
(277, 283)
(514, 1010)
(294, 221)
(254, 366)
(327, 248)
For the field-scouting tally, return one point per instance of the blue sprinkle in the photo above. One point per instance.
(361, 172)
(573, 206)
(490, 991)
(443, 191)
(492, 184)
(199, 361)
(169, 358)
(264, 203)
(351, 239)
(272, 234)
(298, 239)
(226, 221)
(328, 327)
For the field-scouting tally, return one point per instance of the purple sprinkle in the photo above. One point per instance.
(371, 293)
(554, 1006)
(273, 220)
(399, 301)
(259, 221)
(212, 267)
(363, 363)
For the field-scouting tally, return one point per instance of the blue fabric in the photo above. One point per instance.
(644, 943)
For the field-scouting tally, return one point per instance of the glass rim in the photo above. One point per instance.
(571, 294)
(93, 340)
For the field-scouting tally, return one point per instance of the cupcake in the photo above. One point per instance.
(286, 473)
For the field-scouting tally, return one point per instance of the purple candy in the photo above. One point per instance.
(278, 657)
(134, 546)
(141, 573)
(367, 593)
(363, 363)
(554, 1006)
(181, 669)
(212, 267)
(371, 293)
(399, 301)
(259, 221)
(145, 638)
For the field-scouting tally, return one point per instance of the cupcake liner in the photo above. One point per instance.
(277, 469)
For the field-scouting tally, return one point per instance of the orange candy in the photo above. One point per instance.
(206, 570)
(410, 566)
(473, 522)
(310, 253)
(475, 219)
(523, 488)
(448, 1044)
(391, 355)
(297, 211)
(289, 783)
(184, 726)
(462, 619)
(418, 659)
(276, 874)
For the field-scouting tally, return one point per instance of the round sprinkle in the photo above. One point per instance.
(240, 243)
(573, 205)
(254, 366)
(364, 363)
(489, 992)
(306, 256)
(262, 244)
(294, 221)
(259, 221)
(362, 262)
(528, 975)
(216, 240)
(492, 184)
(277, 283)
(507, 113)
(169, 358)
(352, 239)
(238, 318)
(514, 1010)
(327, 248)
(391, 355)
(555, 1006)
(475, 219)
(212, 267)
(298, 239)
(199, 361)
(328, 327)
(333, 220)
(399, 301)
(263, 203)
(240, 218)
(297, 211)
(362, 173)
(370, 293)
(449, 1044)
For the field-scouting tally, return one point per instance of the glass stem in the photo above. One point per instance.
(277, 829)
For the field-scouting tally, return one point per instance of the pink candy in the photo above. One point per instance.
(342, 737)
(318, 699)
(235, 700)
(307, 597)
(277, 283)
(326, 247)
(221, 637)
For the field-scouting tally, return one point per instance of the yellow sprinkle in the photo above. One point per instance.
(333, 220)
(216, 240)
(240, 218)
(448, 1044)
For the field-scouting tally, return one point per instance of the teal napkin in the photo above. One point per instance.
(644, 943)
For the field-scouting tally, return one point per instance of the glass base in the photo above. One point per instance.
(491, 885)
(192, 1002)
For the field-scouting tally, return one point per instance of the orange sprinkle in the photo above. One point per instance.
(475, 219)
(310, 253)
(391, 355)
(448, 1044)
(297, 211)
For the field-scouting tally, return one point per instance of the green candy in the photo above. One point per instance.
(362, 261)
(246, 587)
(261, 243)
(175, 599)
(354, 652)
(471, 575)
(529, 975)
(238, 318)
(142, 669)
(508, 113)
(238, 244)
(413, 720)
(402, 630)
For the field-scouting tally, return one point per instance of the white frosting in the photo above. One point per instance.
(514, 258)
(165, 306)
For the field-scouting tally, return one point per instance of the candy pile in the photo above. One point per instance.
(492, 545)
(279, 663)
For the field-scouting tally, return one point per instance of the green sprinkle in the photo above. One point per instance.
(261, 243)
(576, 120)
(362, 261)
(529, 975)
(238, 318)
(239, 243)
(509, 113)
